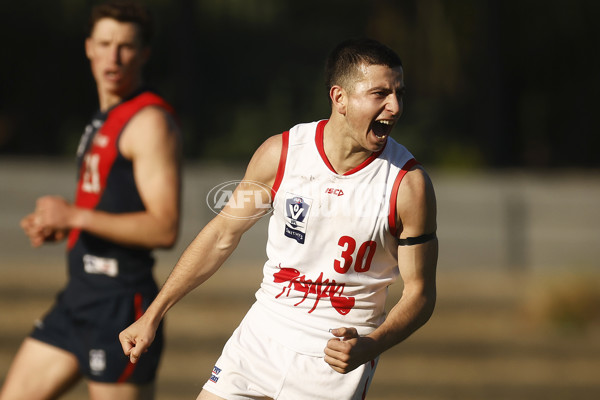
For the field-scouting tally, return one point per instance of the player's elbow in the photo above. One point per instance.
(169, 241)
(167, 237)
(428, 301)
(423, 300)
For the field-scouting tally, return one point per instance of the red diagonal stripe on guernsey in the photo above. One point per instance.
(137, 305)
(104, 150)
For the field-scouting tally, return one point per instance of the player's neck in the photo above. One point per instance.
(110, 98)
(342, 151)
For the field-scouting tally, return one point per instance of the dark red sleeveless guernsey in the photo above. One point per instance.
(97, 267)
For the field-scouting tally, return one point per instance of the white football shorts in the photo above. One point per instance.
(253, 367)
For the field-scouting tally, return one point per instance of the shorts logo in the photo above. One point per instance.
(296, 213)
(215, 372)
(97, 361)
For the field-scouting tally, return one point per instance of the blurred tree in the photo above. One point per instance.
(490, 83)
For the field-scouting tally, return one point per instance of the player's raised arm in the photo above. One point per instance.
(211, 247)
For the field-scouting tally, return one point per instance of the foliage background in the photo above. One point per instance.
(490, 83)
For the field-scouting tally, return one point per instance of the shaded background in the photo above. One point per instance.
(500, 108)
(490, 83)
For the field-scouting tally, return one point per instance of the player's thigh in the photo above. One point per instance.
(40, 371)
(121, 391)
(206, 395)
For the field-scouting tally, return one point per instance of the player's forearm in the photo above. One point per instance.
(412, 312)
(140, 229)
(202, 258)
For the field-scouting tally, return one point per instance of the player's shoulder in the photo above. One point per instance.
(152, 126)
(270, 149)
(265, 162)
(416, 190)
(152, 114)
(417, 179)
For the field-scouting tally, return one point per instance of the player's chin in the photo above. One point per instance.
(377, 142)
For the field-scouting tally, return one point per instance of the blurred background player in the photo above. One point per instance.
(352, 210)
(127, 203)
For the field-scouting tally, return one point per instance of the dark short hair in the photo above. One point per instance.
(124, 11)
(344, 60)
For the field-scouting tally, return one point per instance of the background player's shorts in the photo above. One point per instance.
(91, 333)
(253, 367)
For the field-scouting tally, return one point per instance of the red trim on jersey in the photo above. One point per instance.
(139, 311)
(104, 150)
(394, 196)
(364, 394)
(321, 149)
(319, 143)
(285, 142)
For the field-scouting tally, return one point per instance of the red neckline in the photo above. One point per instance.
(321, 149)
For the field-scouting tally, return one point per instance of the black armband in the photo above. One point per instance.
(411, 241)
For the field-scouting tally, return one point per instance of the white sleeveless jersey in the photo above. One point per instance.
(331, 244)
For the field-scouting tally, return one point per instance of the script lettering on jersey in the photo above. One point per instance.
(319, 288)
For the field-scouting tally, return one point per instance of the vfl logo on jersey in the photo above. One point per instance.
(320, 289)
(296, 216)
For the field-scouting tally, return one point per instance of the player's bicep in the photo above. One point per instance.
(152, 142)
(417, 241)
(416, 208)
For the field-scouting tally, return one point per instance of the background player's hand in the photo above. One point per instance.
(33, 230)
(348, 350)
(136, 339)
(38, 234)
(53, 213)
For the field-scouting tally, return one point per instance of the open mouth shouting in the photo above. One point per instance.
(382, 128)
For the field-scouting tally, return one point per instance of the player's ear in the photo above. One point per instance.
(339, 99)
(88, 47)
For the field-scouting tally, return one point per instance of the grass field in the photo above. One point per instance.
(494, 335)
(523, 333)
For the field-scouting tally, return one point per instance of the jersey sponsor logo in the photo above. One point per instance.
(100, 265)
(335, 192)
(297, 209)
(97, 361)
(319, 289)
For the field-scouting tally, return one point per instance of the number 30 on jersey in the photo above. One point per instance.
(361, 261)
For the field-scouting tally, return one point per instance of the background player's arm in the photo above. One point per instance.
(207, 252)
(416, 215)
(151, 141)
